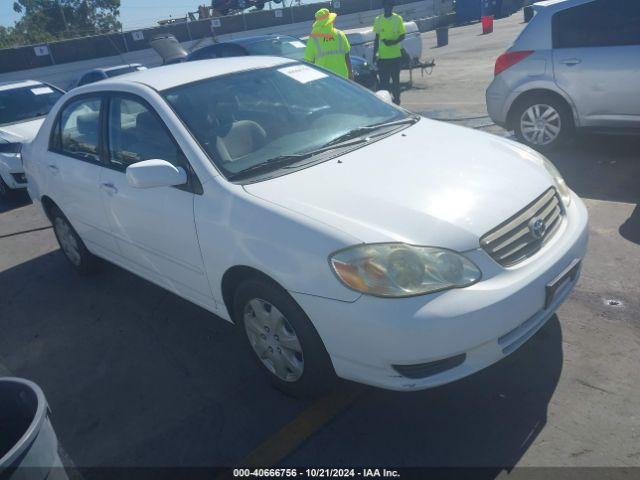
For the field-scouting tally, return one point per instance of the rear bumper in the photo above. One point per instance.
(496, 97)
(478, 325)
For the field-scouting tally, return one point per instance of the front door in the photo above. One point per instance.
(154, 227)
(596, 60)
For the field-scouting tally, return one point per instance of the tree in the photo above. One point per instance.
(48, 20)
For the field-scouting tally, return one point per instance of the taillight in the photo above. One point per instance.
(509, 59)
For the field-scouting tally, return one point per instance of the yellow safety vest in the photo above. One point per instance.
(328, 50)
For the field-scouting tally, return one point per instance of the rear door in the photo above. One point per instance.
(154, 227)
(73, 163)
(596, 60)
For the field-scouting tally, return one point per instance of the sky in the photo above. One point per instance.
(133, 13)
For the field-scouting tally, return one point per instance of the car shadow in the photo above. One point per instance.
(134, 375)
(16, 200)
(485, 422)
(630, 229)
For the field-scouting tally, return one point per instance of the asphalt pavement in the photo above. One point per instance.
(136, 376)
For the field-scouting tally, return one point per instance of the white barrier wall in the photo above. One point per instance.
(64, 75)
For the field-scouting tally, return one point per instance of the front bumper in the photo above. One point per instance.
(12, 171)
(484, 322)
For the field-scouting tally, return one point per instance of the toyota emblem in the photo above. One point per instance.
(537, 227)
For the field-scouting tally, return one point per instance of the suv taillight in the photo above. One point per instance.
(509, 59)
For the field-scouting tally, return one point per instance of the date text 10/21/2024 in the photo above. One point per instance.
(316, 473)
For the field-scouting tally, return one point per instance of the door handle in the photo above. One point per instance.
(570, 62)
(53, 169)
(110, 188)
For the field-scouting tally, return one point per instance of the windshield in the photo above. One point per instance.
(25, 103)
(289, 47)
(249, 118)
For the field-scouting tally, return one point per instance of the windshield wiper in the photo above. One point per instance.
(356, 132)
(290, 161)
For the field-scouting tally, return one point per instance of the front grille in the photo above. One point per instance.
(423, 370)
(526, 232)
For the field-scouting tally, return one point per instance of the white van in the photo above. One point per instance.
(361, 40)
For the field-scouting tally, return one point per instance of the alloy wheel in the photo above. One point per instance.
(540, 124)
(273, 339)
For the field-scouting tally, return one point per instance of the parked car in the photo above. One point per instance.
(23, 106)
(97, 74)
(343, 235)
(277, 45)
(574, 66)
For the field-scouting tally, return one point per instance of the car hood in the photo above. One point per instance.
(430, 184)
(20, 132)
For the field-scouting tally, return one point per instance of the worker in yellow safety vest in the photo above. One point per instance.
(327, 46)
(387, 51)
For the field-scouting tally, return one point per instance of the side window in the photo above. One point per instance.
(603, 23)
(136, 134)
(78, 131)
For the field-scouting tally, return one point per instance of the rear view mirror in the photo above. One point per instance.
(155, 173)
(384, 95)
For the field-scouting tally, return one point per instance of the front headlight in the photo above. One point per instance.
(400, 270)
(561, 185)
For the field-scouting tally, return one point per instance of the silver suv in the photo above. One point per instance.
(576, 65)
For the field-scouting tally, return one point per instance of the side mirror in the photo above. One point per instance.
(385, 96)
(155, 173)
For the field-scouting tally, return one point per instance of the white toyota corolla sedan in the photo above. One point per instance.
(343, 235)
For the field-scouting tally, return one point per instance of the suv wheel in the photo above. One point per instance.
(543, 122)
(282, 339)
(71, 244)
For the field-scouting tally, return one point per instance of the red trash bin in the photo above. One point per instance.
(487, 24)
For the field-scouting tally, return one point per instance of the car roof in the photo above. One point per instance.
(169, 76)
(555, 5)
(18, 84)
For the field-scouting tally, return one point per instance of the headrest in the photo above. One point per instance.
(87, 123)
(146, 121)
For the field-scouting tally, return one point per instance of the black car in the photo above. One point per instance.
(281, 46)
(97, 74)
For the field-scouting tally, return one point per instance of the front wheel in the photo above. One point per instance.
(282, 339)
(543, 122)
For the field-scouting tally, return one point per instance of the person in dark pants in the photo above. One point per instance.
(387, 51)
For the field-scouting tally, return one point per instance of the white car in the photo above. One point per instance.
(23, 106)
(343, 235)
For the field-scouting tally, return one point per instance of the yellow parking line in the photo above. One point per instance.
(282, 443)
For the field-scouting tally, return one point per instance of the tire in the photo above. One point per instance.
(71, 244)
(543, 121)
(307, 373)
(5, 192)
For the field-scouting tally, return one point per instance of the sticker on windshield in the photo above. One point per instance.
(41, 90)
(297, 44)
(302, 73)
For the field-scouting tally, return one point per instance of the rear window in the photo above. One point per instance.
(26, 103)
(603, 23)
